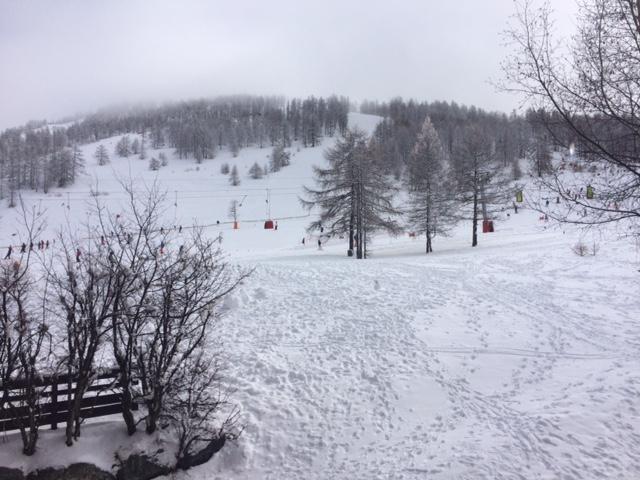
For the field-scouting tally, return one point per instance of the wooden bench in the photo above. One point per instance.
(103, 397)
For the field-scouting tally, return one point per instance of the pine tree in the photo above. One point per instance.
(353, 196)
(154, 164)
(123, 147)
(157, 137)
(234, 142)
(63, 167)
(143, 148)
(279, 158)
(78, 162)
(234, 178)
(431, 204)
(135, 146)
(255, 171)
(224, 169)
(101, 155)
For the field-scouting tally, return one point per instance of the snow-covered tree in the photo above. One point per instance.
(234, 178)
(154, 164)
(589, 94)
(78, 162)
(135, 146)
(432, 207)
(101, 155)
(163, 159)
(279, 158)
(123, 147)
(255, 171)
(224, 169)
(143, 149)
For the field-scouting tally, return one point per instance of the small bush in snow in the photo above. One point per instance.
(582, 249)
(224, 169)
(154, 164)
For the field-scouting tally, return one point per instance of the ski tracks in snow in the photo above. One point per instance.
(432, 368)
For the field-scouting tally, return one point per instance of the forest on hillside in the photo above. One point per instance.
(39, 156)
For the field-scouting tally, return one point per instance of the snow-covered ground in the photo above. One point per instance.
(515, 359)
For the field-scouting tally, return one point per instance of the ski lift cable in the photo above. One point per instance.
(192, 227)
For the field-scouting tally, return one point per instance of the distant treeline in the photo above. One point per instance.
(513, 136)
(39, 157)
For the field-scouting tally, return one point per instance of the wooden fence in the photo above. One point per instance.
(103, 397)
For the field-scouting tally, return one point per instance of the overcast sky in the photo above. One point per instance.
(59, 58)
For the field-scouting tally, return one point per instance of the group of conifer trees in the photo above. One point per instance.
(39, 156)
(355, 195)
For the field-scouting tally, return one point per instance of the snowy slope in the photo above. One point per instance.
(196, 194)
(510, 361)
(516, 359)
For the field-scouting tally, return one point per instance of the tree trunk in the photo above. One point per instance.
(72, 429)
(474, 239)
(124, 363)
(351, 233)
(153, 408)
(127, 401)
(428, 227)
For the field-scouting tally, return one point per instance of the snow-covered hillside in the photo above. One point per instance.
(196, 194)
(516, 359)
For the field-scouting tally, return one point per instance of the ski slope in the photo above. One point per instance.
(196, 194)
(515, 359)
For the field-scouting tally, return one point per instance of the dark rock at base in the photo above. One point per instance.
(77, 471)
(203, 455)
(81, 471)
(11, 474)
(141, 467)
